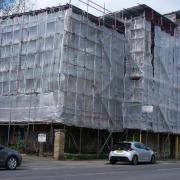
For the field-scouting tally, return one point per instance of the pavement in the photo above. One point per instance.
(45, 168)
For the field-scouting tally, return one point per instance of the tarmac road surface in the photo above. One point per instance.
(48, 169)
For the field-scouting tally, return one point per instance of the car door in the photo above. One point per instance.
(140, 151)
(3, 154)
(147, 152)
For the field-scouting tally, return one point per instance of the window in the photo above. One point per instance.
(122, 146)
(1, 147)
(139, 146)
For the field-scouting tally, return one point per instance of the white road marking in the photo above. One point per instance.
(168, 169)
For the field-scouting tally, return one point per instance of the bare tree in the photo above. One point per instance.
(6, 4)
(8, 7)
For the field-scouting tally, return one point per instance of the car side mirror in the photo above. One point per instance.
(147, 148)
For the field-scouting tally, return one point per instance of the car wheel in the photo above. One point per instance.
(11, 163)
(134, 160)
(153, 159)
(112, 162)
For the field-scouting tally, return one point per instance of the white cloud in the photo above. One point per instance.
(162, 6)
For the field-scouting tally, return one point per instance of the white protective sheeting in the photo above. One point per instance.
(61, 67)
(152, 78)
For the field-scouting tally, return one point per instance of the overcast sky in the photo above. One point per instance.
(162, 6)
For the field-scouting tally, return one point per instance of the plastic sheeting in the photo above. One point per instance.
(61, 67)
(152, 78)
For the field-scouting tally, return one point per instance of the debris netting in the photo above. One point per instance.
(61, 67)
(152, 78)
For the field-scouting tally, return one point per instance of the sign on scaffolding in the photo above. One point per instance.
(147, 109)
(42, 137)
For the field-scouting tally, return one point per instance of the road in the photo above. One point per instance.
(88, 170)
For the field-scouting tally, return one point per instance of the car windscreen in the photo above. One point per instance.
(122, 146)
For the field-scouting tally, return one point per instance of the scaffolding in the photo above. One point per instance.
(62, 65)
(152, 73)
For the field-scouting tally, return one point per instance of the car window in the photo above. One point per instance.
(139, 145)
(143, 146)
(1, 147)
(121, 146)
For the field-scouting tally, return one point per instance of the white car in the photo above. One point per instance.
(132, 152)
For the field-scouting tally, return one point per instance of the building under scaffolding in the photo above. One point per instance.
(62, 67)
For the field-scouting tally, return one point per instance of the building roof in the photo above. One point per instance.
(177, 13)
(109, 21)
(150, 15)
